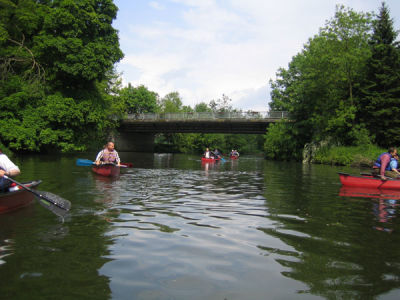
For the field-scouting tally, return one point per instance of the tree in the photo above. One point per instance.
(77, 43)
(139, 100)
(221, 105)
(380, 104)
(318, 87)
(202, 107)
(56, 73)
(171, 103)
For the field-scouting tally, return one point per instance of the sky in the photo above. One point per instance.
(206, 48)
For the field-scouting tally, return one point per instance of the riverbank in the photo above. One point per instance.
(359, 156)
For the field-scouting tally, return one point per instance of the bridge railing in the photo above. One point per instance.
(250, 115)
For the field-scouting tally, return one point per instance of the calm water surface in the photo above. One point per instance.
(172, 228)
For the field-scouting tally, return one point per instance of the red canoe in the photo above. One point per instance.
(108, 170)
(17, 198)
(209, 160)
(234, 157)
(365, 181)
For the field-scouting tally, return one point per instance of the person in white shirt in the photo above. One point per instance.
(8, 168)
(207, 153)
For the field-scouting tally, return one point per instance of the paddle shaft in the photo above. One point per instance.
(87, 163)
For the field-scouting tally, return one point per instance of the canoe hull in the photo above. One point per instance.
(369, 182)
(208, 160)
(234, 157)
(107, 170)
(16, 199)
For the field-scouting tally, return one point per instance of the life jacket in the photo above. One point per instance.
(378, 161)
(109, 157)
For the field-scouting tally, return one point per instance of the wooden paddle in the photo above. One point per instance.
(46, 197)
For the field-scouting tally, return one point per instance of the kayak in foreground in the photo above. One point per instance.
(369, 181)
(17, 197)
(108, 170)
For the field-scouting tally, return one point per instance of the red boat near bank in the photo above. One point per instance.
(234, 157)
(369, 181)
(17, 197)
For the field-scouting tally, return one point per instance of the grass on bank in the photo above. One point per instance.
(359, 156)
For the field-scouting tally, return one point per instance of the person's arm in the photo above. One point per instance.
(385, 160)
(98, 157)
(117, 158)
(11, 173)
(8, 167)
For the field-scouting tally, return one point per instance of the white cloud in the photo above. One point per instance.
(156, 5)
(204, 49)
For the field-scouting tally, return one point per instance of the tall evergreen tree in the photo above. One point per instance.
(380, 94)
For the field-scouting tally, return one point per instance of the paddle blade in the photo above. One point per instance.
(53, 208)
(53, 199)
(128, 165)
(84, 162)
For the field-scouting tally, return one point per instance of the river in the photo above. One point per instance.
(173, 228)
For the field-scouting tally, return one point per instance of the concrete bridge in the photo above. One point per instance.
(137, 131)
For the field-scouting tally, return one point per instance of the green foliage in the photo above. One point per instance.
(362, 155)
(202, 107)
(380, 94)
(279, 143)
(326, 91)
(58, 90)
(139, 99)
(77, 42)
(171, 103)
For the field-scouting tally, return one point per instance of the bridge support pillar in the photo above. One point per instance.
(134, 142)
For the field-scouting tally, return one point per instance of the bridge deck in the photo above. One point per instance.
(230, 122)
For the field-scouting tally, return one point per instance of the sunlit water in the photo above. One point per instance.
(173, 228)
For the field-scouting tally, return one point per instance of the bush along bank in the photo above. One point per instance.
(361, 156)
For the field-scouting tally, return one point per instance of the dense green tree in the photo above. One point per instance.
(56, 77)
(379, 107)
(139, 99)
(171, 103)
(317, 88)
(202, 107)
(77, 43)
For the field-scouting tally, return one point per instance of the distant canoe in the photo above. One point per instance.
(234, 157)
(108, 170)
(209, 160)
(18, 197)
